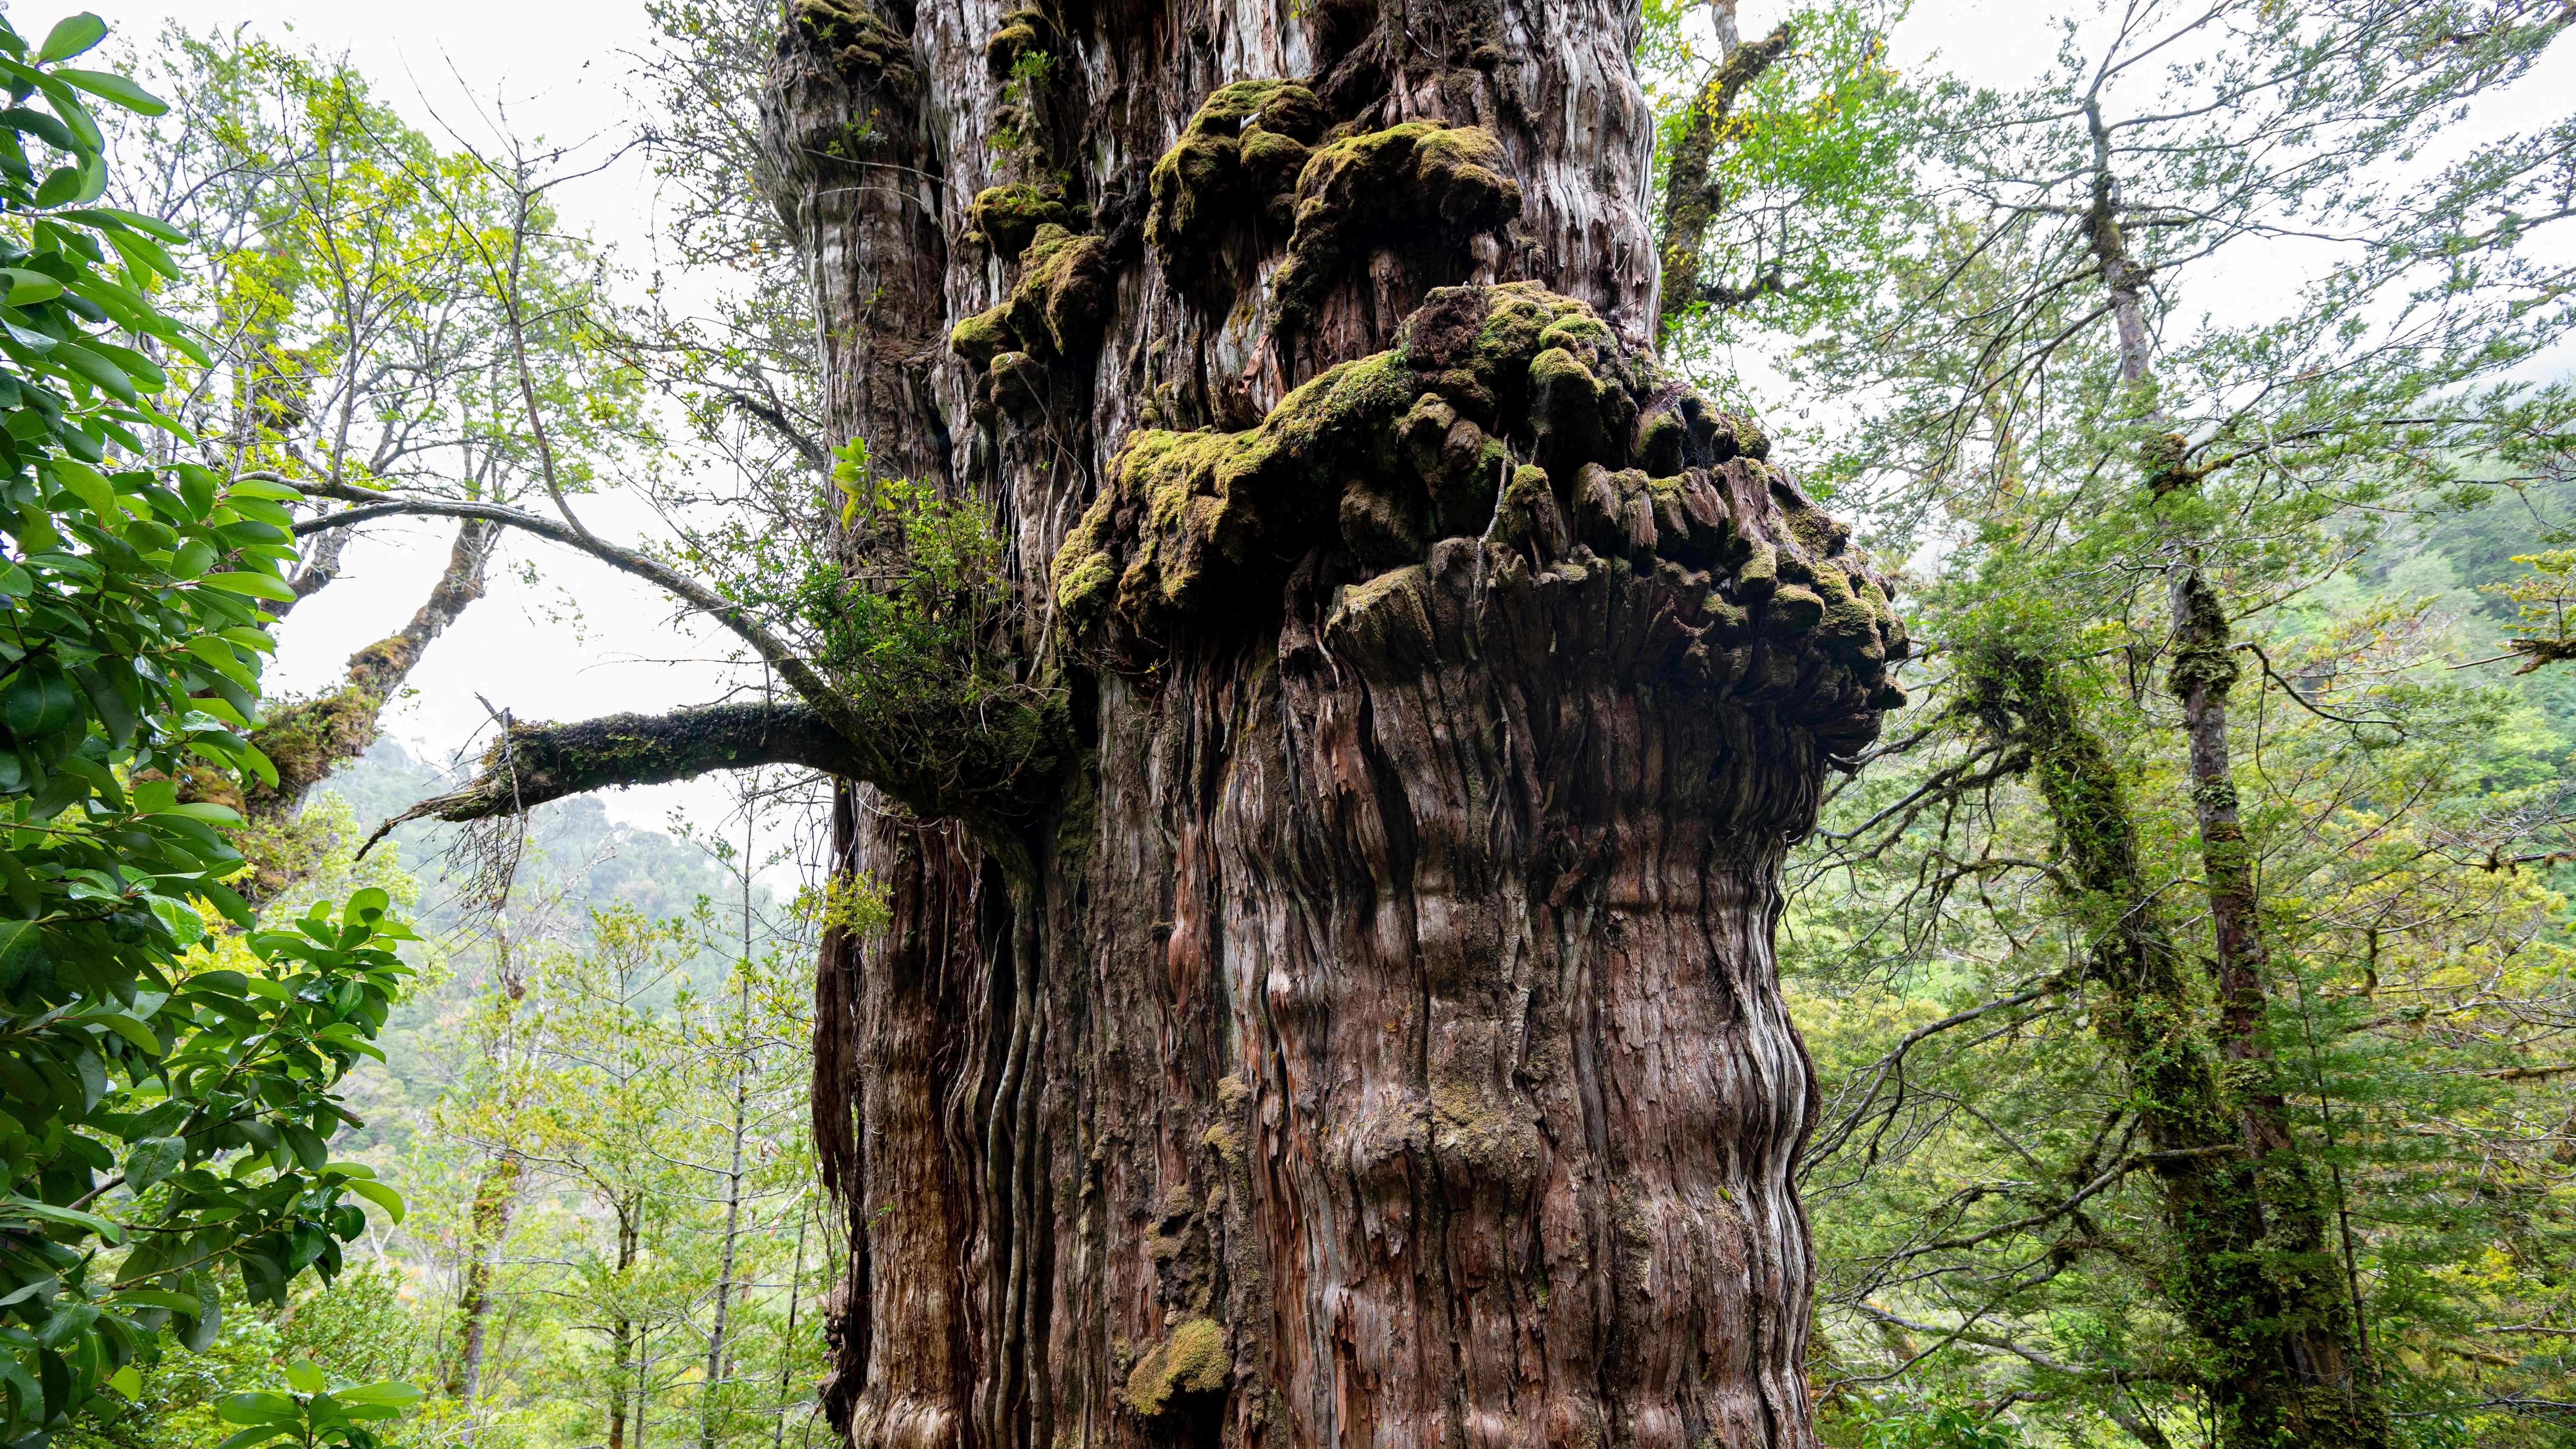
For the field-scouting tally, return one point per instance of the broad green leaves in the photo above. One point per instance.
(161, 1092)
(315, 1413)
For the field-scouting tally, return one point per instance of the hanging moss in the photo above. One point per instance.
(1190, 1360)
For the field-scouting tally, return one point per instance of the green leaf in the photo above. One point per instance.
(144, 1042)
(115, 88)
(48, 1213)
(61, 187)
(88, 485)
(184, 1304)
(393, 1392)
(153, 1159)
(258, 586)
(26, 287)
(110, 217)
(256, 1407)
(97, 370)
(304, 1378)
(206, 810)
(70, 36)
(265, 488)
(379, 1194)
(18, 950)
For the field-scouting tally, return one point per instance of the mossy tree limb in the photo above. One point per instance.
(307, 739)
(1691, 192)
(532, 764)
(2246, 1272)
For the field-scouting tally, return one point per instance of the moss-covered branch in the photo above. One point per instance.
(306, 739)
(1691, 193)
(534, 763)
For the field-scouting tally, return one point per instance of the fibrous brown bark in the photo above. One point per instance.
(1372, 1036)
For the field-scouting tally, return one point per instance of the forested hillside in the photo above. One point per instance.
(1311, 588)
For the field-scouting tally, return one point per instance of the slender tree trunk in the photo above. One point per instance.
(2301, 1371)
(787, 1342)
(496, 1199)
(624, 1352)
(732, 1236)
(1373, 1038)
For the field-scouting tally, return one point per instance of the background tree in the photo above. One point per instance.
(2129, 521)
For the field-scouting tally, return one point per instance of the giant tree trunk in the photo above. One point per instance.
(1373, 1038)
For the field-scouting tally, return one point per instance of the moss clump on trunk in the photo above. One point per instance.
(1052, 315)
(1241, 153)
(1417, 185)
(1192, 1360)
(1378, 460)
(857, 39)
(1009, 216)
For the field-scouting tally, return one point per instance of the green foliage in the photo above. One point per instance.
(316, 1412)
(364, 291)
(204, 1068)
(1940, 1427)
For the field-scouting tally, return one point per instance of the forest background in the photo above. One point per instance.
(2343, 301)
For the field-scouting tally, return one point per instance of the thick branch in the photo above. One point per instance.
(307, 739)
(534, 763)
(1691, 197)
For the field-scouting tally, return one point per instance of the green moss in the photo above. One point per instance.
(979, 337)
(1242, 150)
(1527, 516)
(1190, 1360)
(1795, 608)
(1759, 574)
(1413, 185)
(1009, 216)
(1052, 316)
(1026, 31)
(859, 41)
(1848, 623)
(1062, 293)
(1507, 414)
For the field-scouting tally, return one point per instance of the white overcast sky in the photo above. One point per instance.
(559, 68)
